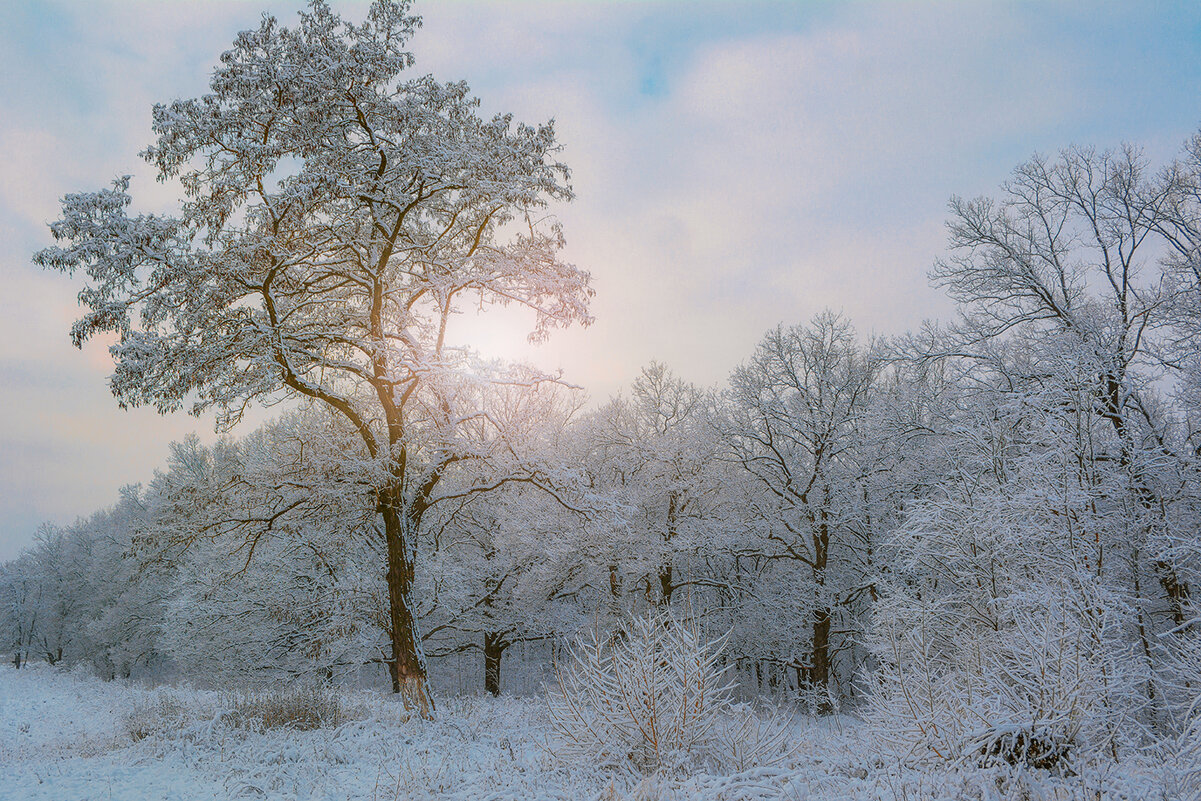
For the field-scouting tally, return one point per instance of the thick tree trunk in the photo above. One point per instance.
(819, 671)
(408, 663)
(820, 675)
(494, 649)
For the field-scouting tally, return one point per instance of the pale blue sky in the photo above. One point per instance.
(737, 165)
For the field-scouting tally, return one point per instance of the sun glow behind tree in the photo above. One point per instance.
(335, 214)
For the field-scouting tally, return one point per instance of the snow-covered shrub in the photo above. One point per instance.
(650, 698)
(1006, 634)
(1181, 685)
(1050, 681)
(1041, 746)
(747, 739)
(1187, 762)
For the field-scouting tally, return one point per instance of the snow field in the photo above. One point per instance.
(71, 737)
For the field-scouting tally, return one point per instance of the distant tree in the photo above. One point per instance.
(272, 550)
(654, 451)
(500, 560)
(334, 215)
(122, 603)
(20, 602)
(797, 422)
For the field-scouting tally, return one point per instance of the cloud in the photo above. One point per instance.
(786, 172)
(736, 166)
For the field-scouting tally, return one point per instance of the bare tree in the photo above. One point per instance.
(1074, 251)
(796, 421)
(334, 215)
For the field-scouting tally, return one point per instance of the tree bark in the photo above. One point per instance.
(665, 570)
(819, 672)
(820, 675)
(409, 677)
(494, 649)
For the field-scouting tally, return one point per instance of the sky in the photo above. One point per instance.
(737, 165)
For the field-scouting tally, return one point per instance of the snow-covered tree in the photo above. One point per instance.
(1038, 602)
(335, 213)
(274, 553)
(1073, 252)
(502, 553)
(1009, 624)
(797, 422)
(19, 607)
(75, 597)
(654, 452)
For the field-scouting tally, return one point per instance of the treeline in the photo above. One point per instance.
(992, 525)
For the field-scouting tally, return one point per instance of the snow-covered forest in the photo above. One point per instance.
(962, 562)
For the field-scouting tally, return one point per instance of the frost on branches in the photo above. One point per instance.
(653, 698)
(981, 537)
(335, 213)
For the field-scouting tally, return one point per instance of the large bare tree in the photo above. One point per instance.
(334, 213)
(1074, 251)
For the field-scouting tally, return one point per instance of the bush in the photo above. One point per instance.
(1040, 747)
(1046, 686)
(746, 739)
(651, 698)
(1188, 757)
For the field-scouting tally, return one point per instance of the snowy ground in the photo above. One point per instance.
(70, 737)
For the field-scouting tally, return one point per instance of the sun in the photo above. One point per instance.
(495, 332)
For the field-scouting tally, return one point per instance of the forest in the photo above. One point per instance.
(977, 545)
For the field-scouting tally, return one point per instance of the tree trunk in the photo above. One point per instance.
(494, 648)
(665, 570)
(820, 675)
(665, 585)
(1176, 590)
(615, 588)
(1142, 628)
(408, 663)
